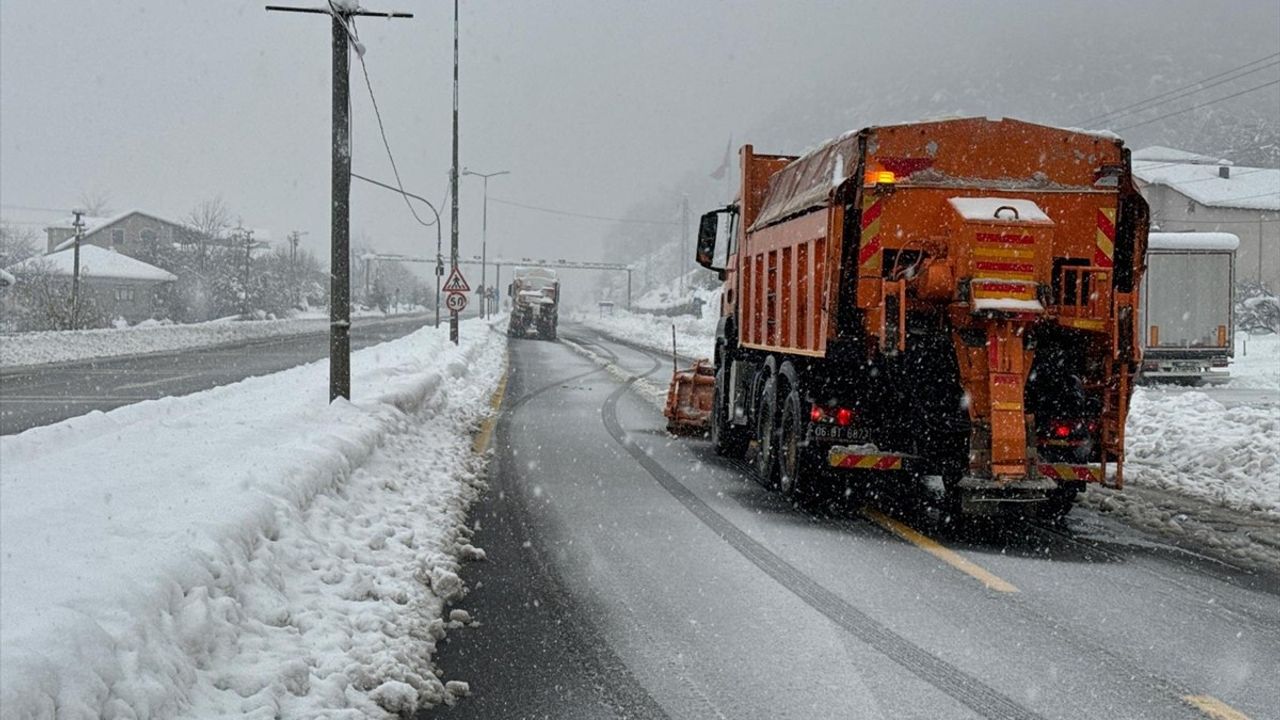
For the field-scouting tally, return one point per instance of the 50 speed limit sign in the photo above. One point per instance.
(455, 302)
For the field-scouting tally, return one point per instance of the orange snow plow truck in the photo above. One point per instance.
(954, 298)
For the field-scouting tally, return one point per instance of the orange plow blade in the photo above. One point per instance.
(689, 399)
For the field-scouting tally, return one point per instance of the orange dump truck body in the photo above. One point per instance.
(863, 263)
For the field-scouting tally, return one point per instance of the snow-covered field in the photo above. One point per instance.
(35, 348)
(1186, 442)
(247, 551)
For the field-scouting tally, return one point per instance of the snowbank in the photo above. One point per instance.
(696, 337)
(35, 348)
(1195, 445)
(247, 551)
(1257, 362)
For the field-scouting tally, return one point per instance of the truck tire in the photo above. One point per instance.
(766, 461)
(797, 469)
(727, 439)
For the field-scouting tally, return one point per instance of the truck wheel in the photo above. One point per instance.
(796, 468)
(727, 439)
(767, 435)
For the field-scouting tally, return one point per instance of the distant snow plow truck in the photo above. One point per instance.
(535, 303)
(954, 298)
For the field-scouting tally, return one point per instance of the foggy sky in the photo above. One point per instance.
(593, 106)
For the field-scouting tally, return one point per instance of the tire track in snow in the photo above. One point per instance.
(969, 691)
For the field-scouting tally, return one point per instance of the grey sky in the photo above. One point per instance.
(591, 105)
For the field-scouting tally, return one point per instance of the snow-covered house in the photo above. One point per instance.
(132, 233)
(1192, 192)
(121, 286)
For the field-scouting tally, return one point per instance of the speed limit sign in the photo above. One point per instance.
(455, 302)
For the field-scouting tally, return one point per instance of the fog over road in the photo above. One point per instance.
(632, 574)
(40, 396)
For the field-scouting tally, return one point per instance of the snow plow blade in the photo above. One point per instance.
(689, 399)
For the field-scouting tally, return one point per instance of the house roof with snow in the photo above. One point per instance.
(95, 262)
(1247, 188)
(1160, 153)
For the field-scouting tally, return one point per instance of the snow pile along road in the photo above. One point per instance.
(36, 348)
(248, 551)
(695, 337)
(1257, 362)
(1193, 444)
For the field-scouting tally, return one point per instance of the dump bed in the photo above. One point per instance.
(822, 232)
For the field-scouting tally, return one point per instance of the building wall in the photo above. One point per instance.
(133, 300)
(1257, 260)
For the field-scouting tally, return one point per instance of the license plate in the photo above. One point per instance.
(836, 433)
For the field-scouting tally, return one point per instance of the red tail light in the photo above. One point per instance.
(844, 416)
(815, 414)
(1060, 429)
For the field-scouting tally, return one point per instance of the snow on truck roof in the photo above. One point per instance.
(807, 181)
(1192, 241)
(997, 209)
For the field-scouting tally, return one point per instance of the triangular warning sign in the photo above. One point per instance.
(456, 283)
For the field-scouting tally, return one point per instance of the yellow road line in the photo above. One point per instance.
(1214, 708)
(935, 549)
(481, 441)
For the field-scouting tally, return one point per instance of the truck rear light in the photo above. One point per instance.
(816, 414)
(1060, 429)
(844, 417)
(881, 177)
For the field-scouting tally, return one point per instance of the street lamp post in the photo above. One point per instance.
(439, 237)
(484, 237)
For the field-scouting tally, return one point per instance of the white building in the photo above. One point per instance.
(1190, 192)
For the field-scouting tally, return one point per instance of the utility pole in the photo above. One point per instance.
(247, 237)
(78, 224)
(453, 177)
(340, 225)
(484, 237)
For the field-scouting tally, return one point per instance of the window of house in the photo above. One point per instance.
(1191, 207)
(117, 237)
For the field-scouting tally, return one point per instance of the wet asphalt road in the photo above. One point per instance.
(636, 575)
(31, 398)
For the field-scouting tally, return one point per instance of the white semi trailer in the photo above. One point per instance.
(1187, 301)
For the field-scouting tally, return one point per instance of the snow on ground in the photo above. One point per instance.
(1191, 443)
(1185, 442)
(695, 337)
(247, 551)
(37, 348)
(1257, 362)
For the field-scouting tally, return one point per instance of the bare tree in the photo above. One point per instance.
(95, 203)
(207, 221)
(17, 243)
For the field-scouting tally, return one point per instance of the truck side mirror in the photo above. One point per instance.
(708, 228)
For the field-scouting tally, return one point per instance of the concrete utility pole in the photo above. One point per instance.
(484, 237)
(247, 237)
(78, 224)
(453, 177)
(340, 225)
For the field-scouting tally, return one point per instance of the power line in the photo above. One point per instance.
(364, 69)
(1201, 105)
(552, 211)
(1184, 90)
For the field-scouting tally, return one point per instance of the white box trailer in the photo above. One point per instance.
(1188, 298)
